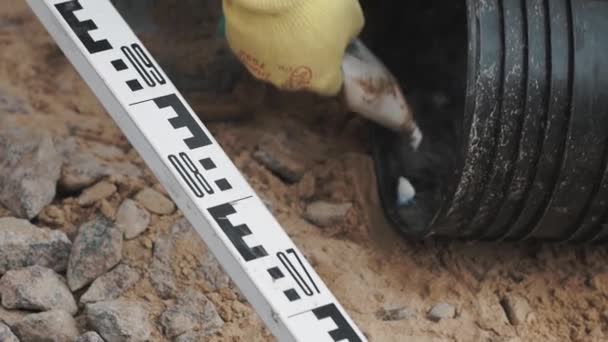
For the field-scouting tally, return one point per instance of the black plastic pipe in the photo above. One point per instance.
(531, 161)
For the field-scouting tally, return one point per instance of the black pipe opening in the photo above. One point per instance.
(425, 44)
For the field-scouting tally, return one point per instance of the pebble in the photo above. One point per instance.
(36, 288)
(160, 270)
(106, 209)
(193, 311)
(147, 243)
(83, 167)
(307, 187)
(132, 219)
(97, 248)
(326, 214)
(6, 335)
(111, 285)
(442, 311)
(162, 278)
(97, 192)
(155, 202)
(91, 336)
(279, 156)
(517, 308)
(52, 215)
(23, 244)
(394, 314)
(119, 320)
(50, 326)
(30, 167)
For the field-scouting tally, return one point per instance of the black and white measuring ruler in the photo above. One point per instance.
(240, 231)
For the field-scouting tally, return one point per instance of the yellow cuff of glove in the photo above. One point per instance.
(294, 44)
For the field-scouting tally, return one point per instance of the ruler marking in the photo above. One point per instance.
(140, 102)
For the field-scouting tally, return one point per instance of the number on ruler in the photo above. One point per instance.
(191, 175)
(143, 64)
(296, 275)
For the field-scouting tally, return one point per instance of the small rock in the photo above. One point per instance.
(52, 215)
(155, 202)
(97, 192)
(193, 311)
(23, 244)
(394, 314)
(326, 214)
(111, 285)
(442, 311)
(106, 209)
(6, 335)
(162, 278)
(119, 320)
(517, 308)
(36, 288)
(280, 157)
(97, 248)
(91, 336)
(86, 165)
(50, 326)
(105, 152)
(132, 219)
(147, 243)
(29, 170)
(307, 186)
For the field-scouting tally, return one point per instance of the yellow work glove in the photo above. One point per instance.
(294, 44)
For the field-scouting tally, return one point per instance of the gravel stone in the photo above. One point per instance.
(111, 285)
(50, 326)
(119, 320)
(517, 308)
(36, 288)
(132, 219)
(326, 214)
(30, 167)
(279, 156)
(23, 244)
(97, 248)
(84, 166)
(97, 192)
(162, 278)
(193, 311)
(394, 314)
(155, 202)
(91, 336)
(442, 311)
(6, 335)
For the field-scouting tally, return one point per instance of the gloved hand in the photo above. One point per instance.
(294, 44)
